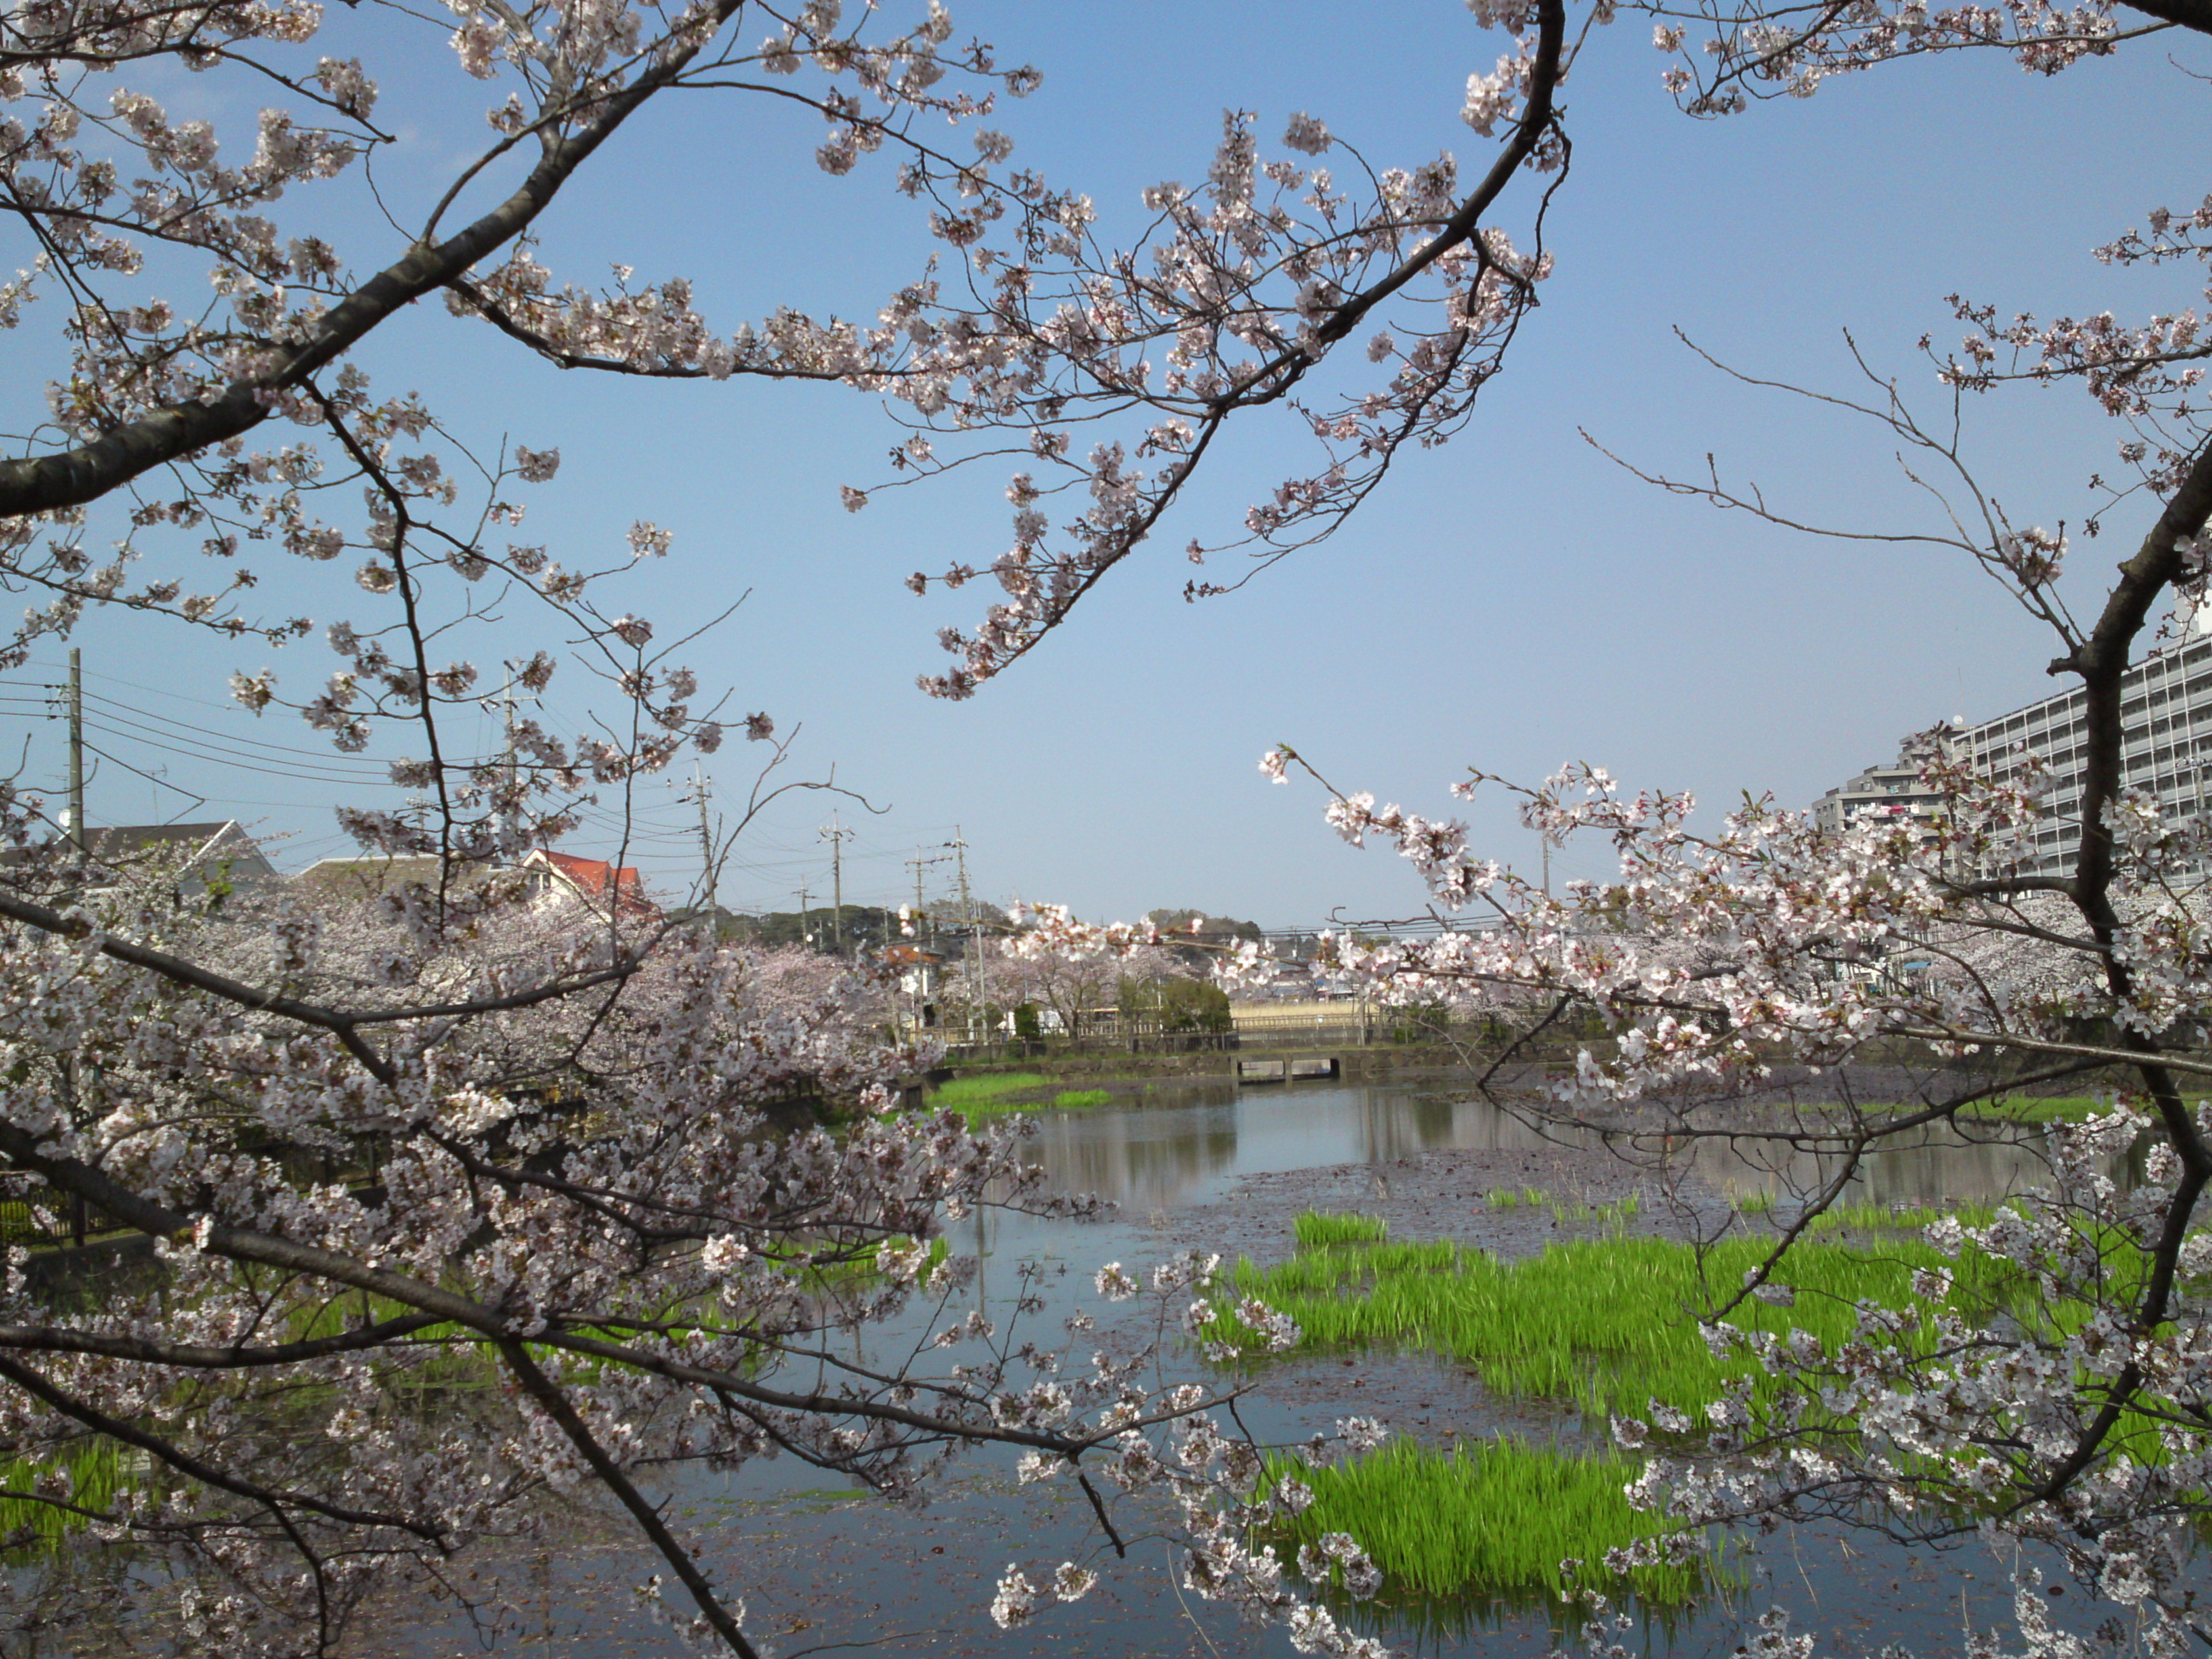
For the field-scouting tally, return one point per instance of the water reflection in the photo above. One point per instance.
(1940, 1170)
(1183, 1145)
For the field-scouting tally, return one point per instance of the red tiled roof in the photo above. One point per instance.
(595, 878)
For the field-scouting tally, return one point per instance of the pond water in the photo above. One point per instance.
(1178, 1145)
(824, 1571)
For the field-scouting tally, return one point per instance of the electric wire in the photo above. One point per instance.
(228, 737)
(653, 830)
(197, 800)
(224, 755)
(233, 765)
(151, 690)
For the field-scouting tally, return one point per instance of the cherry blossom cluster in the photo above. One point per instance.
(1216, 1484)
(1732, 55)
(1924, 1418)
(1773, 950)
(1066, 966)
(597, 1169)
(1242, 286)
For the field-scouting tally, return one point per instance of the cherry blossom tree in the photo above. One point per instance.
(436, 1125)
(1073, 968)
(1733, 969)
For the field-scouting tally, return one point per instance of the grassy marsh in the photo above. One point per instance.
(2003, 1108)
(1604, 1324)
(1500, 1518)
(1317, 1229)
(996, 1094)
(96, 1471)
(2018, 1108)
(984, 1094)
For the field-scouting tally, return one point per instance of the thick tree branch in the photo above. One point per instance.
(2195, 15)
(39, 1389)
(74, 477)
(557, 1405)
(46, 1339)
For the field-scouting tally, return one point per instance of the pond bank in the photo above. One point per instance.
(1398, 1061)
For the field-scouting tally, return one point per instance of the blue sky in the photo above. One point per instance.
(1511, 601)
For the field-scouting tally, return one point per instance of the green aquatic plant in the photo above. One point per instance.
(1878, 1220)
(87, 1477)
(1496, 1520)
(985, 1093)
(2024, 1109)
(995, 1094)
(1610, 1325)
(1582, 1214)
(1606, 1324)
(1317, 1228)
(2001, 1109)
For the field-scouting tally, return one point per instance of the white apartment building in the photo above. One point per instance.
(2165, 713)
(1888, 792)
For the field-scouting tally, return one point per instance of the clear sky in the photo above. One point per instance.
(1511, 601)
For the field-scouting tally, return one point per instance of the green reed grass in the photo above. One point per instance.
(1508, 1198)
(99, 1469)
(986, 1094)
(1606, 1324)
(1619, 1213)
(1316, 1229)
(2021, 1108)
(993, 1095)
(2006, 1109)
(1498, 1518)
(1882, 1220)
(857, 1270)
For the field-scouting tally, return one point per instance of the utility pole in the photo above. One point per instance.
(512, 807)
(836, 835)
(711, 877)
(974, 954)
(805, 937)
(78, 833)
(919, 862)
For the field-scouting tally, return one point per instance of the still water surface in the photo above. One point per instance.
(822, 1570)
(1182, 1145)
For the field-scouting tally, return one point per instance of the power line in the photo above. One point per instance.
(214, 749)
(152, 690)
(230, 737)
(295, 773)
(199, 800)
